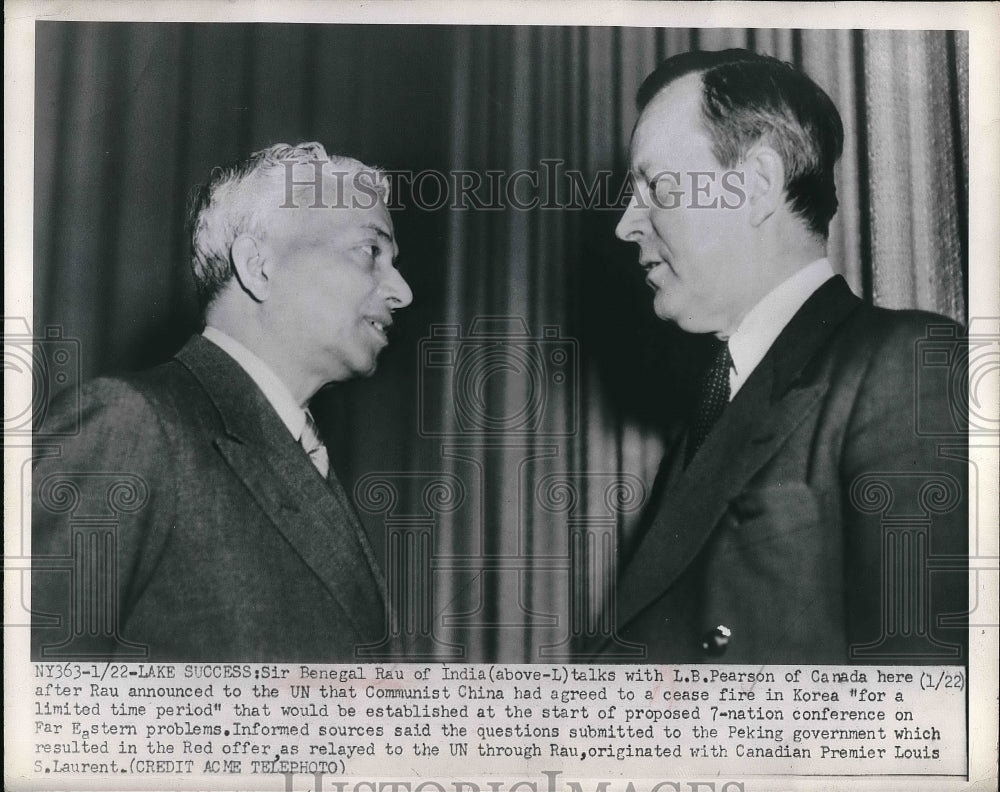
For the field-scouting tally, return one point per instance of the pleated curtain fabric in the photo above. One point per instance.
(129, 116)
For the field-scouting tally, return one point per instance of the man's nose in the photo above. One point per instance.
(396, 289)
(629, 227)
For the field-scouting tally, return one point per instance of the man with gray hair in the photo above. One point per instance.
(241, 545)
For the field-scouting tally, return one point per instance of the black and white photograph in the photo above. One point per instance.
(536, 367)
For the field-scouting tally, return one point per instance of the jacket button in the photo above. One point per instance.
(716, 640)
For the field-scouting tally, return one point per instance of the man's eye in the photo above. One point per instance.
(662, 183)
(373, 250)
(665, 191)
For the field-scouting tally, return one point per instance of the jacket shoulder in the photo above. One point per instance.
(887, 342)
(888, 327)
(133, 405)
(901, 368)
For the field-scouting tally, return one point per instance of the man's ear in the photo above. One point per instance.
(250, 265)
(765, 182)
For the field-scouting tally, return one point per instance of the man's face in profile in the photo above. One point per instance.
(686, 215)
(335, 285)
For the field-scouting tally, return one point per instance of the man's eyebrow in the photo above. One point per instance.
(379, 231)
(639, 169)
(644, 170)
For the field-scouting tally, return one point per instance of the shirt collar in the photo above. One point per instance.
(765, 321)
(274, 390)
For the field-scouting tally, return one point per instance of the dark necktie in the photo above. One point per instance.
(714, 398)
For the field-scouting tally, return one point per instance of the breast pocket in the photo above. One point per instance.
(774, 575)
(769, 513)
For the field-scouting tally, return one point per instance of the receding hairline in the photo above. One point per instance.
(699, 101)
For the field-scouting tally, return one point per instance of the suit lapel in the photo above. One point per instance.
(312, 514)
(774, 401)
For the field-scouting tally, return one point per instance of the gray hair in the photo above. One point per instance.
(229, 203)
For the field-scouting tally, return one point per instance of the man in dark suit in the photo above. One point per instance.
(800, 516)
(194, 516)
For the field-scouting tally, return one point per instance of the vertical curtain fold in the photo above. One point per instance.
(128, 117)
(916, 249)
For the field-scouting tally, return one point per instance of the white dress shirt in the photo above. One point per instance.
(274, 390)
(765, 321)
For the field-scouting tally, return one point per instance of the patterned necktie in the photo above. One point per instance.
(313, 446)
(714, 398)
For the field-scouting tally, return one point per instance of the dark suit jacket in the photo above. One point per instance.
(816, 524)
(219, 541)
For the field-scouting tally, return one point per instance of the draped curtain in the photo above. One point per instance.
(509, 438)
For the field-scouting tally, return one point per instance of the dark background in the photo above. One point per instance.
(129, 116)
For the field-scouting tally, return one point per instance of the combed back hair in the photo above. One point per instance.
(747, 98)
(235, 201)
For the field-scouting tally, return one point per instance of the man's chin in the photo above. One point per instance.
(667, 316)
(352, 370)
(685, 323)
(367, 369)
(364, 371)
